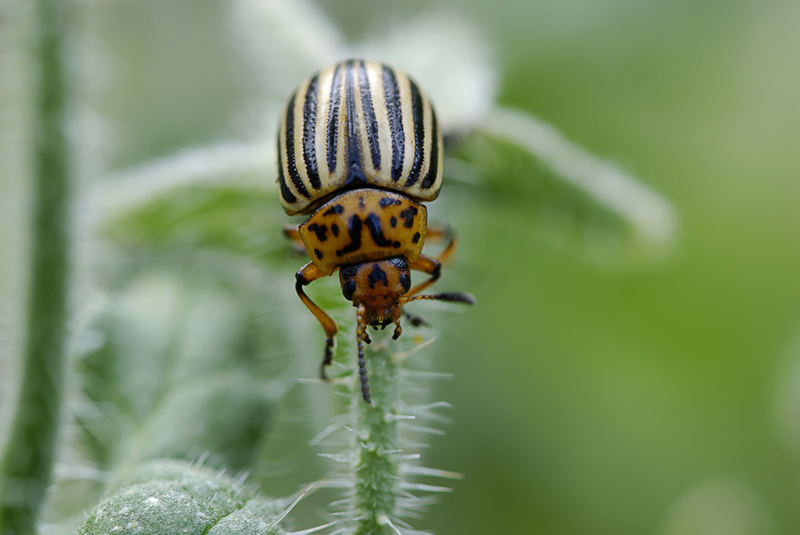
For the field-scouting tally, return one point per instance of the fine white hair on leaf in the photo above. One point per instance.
(203, 164)
(386, 521)
(433, 472)
(325, 433)
(651, 217)
(405, 485)
(383, 519)
(425, 430)
(449, 58)
(312, 530)
(288, 509)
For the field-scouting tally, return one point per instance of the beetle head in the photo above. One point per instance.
(377, 287)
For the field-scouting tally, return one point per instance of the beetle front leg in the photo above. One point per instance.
(306, 275)
(432, 266)
(439, 233)
(293, 233)
(428, 265)
(398, 330)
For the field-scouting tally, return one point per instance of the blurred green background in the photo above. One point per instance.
(610, 393)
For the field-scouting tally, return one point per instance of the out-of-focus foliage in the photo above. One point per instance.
(612, 380)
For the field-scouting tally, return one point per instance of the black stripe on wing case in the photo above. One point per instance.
(419, 135)
(369, 117)
(430, 177)
(287, 195)
(291, 164)
(355, 175)
(395, 113)
(309, 131)
(333, 117)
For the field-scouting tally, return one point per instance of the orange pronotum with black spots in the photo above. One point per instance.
(359, 150)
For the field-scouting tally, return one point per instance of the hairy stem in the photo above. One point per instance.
(377, 465)
(28, 457)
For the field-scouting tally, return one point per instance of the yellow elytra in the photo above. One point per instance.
(359, 149)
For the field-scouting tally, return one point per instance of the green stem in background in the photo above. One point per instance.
(377, 465)
(27, 461)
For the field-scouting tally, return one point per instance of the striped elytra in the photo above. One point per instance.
(359, 151)
(357, 124)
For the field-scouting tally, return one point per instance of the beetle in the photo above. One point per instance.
(359, 151)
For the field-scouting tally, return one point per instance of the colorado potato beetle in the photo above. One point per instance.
(359, 149)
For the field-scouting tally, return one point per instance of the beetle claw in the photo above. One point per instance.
(398, 330)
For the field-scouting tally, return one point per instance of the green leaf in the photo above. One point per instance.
(169, 496)
(241, 220)
(574, 196)
(178, 371)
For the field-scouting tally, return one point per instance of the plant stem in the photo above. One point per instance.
(377, 466)
(28, 457)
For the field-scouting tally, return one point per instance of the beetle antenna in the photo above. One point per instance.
(361, 335)
(450, 297)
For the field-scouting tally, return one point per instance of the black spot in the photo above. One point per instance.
(405, 281)
(388, 201)
(376, 230)
(408, 216)
(354, 231)
(320, 230)
(399, 262)
(335, 229)
(318, 253)
(335, 209)
(348, 289)
(393, 221)
(361, 202)
(377, 275)
(416, 237)
(349, 271)
(396, 245)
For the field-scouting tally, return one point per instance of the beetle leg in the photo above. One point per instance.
(432, 266)
(448, 251)
(439, 233)
(429, 265)
(361, 336)
(306, 275)
(293, 233)
(398, 330)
